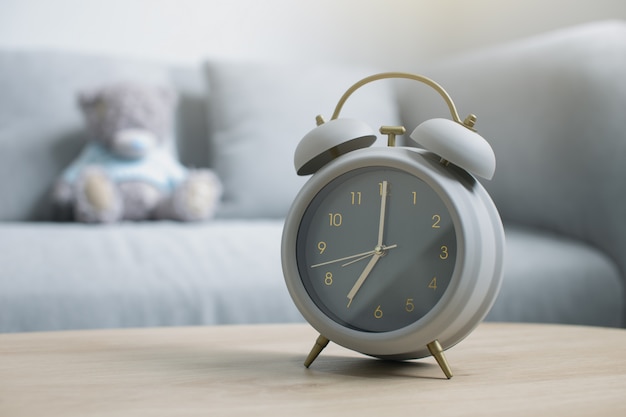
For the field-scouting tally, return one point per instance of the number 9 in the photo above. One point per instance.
(321, 247)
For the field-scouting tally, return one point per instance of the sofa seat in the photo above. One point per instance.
(58, 276)
(554, 279)
(71, 276)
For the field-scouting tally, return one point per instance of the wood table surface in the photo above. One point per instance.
(499, 370)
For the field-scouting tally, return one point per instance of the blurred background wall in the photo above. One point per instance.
(392, 33)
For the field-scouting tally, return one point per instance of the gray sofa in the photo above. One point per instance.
(553, 107)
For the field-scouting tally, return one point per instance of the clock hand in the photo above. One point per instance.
(381, 226)
(379, 250)
(361, 256)
(365, 254)
(359, 282)
(357, 259)
(383, 208)
(384, 248)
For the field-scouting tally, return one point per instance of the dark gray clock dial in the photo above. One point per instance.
(376, 249)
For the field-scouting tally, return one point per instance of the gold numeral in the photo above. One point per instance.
(409, 306)
(414, 197)
(437, 219)
(378, 313)
(356, 198)
(444, 252)
(321, 246)
(335, 219)
(328, 279)
(433, 284)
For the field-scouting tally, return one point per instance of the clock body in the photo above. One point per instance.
(386, 249)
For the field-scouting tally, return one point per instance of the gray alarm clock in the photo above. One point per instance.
(395, 252)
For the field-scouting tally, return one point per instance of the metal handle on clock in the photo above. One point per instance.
(468, 122)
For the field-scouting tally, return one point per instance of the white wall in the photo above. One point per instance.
(391, 33)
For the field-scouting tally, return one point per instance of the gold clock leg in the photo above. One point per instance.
(437, 351)
(320, 344)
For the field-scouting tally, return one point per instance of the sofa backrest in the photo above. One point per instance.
(42, 130)
(554, 109)
(258, 113)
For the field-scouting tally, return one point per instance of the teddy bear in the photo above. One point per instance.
(127, 170)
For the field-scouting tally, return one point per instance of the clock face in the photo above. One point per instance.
(376, 249)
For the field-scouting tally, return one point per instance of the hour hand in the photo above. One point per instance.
(363, 277)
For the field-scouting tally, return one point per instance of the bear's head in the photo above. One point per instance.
(129, 119)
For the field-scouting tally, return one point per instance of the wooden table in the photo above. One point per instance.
(500, 370)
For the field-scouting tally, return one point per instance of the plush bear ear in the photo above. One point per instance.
(88, 98)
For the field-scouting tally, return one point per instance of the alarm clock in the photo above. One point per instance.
(393, 251)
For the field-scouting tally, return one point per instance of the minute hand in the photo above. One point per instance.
(369, 252)
(383, 208)
(361, 255)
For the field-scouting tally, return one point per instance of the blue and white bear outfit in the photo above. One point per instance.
(157, 168)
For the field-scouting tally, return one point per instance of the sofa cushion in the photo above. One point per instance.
(553, 279)
(74, 276)
(193, 145)
(258, 114)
